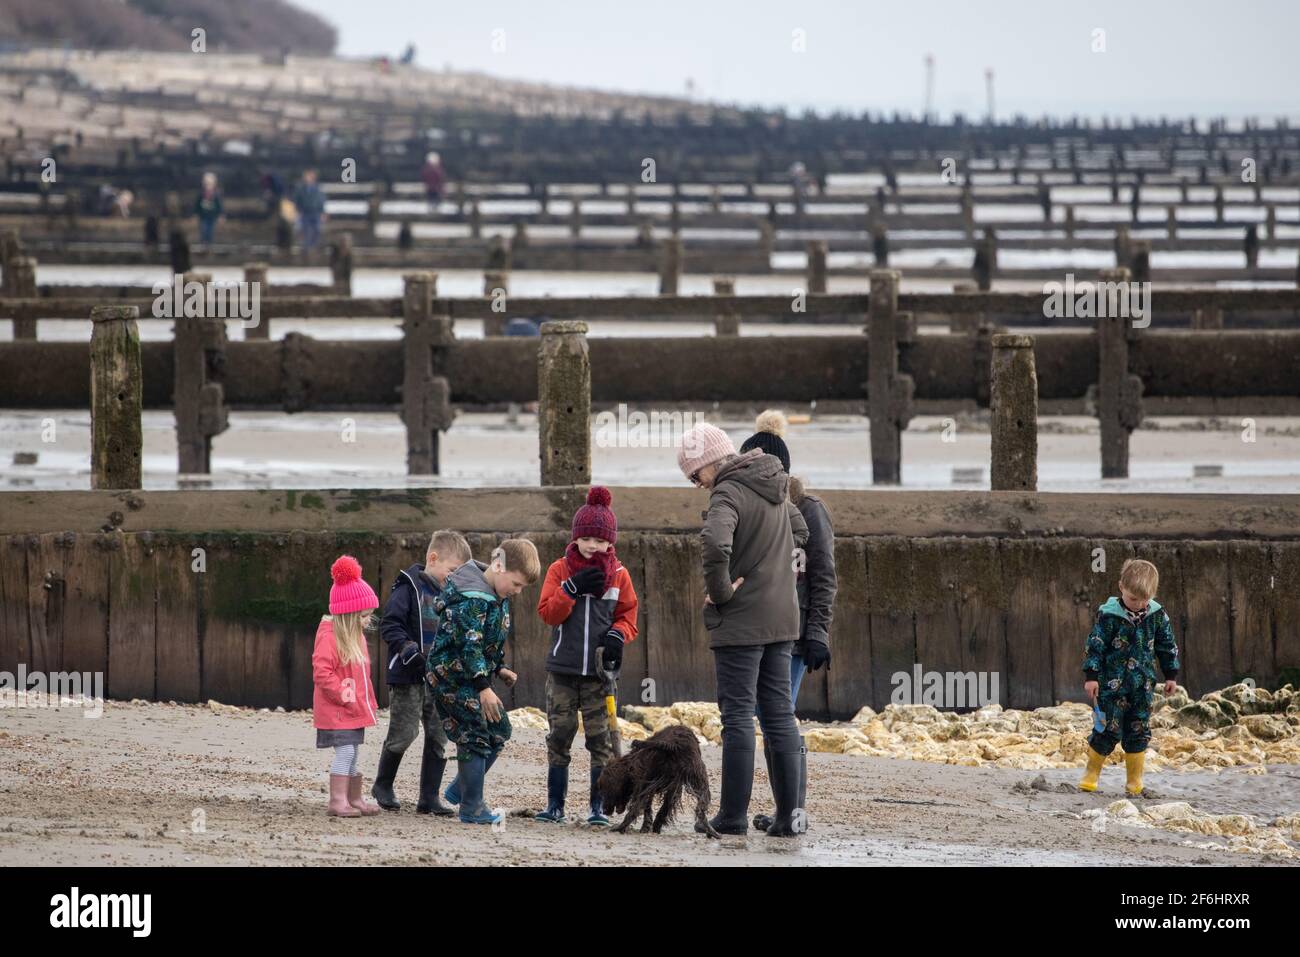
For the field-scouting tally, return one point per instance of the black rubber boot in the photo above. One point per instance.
(763, 821)
(382, 789)
(737, 785)
(431, 769)
(557, 785)
(597, 817)
(803, 779)
(785, 788)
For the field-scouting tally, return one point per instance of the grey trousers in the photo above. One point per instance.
(409, 707)
(756, 676)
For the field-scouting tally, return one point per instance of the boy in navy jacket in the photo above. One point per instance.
(408, 628)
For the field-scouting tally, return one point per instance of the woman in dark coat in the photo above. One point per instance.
(750, 539)
(816, 582)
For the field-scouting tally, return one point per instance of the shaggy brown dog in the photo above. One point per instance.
(661, 767)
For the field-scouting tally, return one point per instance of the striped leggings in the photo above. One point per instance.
(345, 760)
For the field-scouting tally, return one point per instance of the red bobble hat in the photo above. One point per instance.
(350, 591)
(596, 519)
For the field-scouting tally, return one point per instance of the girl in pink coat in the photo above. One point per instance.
(343, 702)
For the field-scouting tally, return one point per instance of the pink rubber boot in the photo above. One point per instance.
(356, 800)
(339, 804)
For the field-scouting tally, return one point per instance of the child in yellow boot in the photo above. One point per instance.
(1131, 634)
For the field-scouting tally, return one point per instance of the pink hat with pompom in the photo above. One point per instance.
(350, 591)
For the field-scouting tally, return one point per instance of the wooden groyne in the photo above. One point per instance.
(1115, 369)
(192, 595)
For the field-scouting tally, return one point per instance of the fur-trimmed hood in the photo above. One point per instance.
(797, 491)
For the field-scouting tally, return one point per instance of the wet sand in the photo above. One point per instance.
(270, 449)
(132, 786)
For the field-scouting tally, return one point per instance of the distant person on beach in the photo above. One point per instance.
(209, 208)
(408, 55)
(815, 582)
(799, 181)
(435, 179)
(343, 699)
(468, 653)
(751, 612)
(409, 628)
(272, 190)
(309, 201)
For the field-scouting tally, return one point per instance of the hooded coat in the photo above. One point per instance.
(749, 532)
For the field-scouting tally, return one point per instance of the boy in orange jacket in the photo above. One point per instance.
(589, 602)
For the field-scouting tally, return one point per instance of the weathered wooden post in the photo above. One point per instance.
(257, 273)
(1069, 221)
(1270, 222)
(198, 396)
(816, 266)
(475, 221)
(965, 323)
(670, 267)
(766, 240)
(20, 278)
(1250, 246)
(1207, 317)
(889, 391)
(564, 404)
(519, 242)
(880, 244)
(1140, 263)
(1123, 247)
(426, 393)
(967, 211)
(575, 217)
(1119, 394)
(1218, 204)
(116, 390)
(986, 261)
(496, 288)
(726, 322)
(1171, 222)
(72, 207)
(341, 265)
(10, 249)
(1014, 415)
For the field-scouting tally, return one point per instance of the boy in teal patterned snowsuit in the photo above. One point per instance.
(467, 653)
(1131, 634)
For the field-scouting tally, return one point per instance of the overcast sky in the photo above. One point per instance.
(1179, 57)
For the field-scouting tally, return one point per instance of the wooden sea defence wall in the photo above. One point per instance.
(957, 581)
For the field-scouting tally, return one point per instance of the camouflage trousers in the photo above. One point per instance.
(566, 697)
(409, 707)
(465, 723)
(1128, 720)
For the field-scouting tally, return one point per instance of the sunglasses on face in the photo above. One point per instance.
(695, 477)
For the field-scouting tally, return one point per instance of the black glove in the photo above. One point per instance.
(611, 647)
(410, 651)
(816, 654)
(585, 581)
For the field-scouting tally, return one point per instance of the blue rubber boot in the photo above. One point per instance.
(472, 808)
(557, 785)
(597, 818)
(451, 794)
